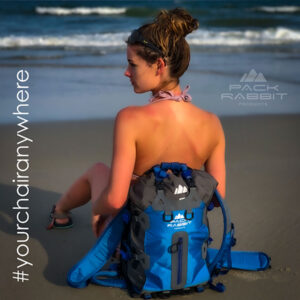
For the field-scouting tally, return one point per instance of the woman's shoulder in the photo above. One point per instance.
(213, 118)
(138, 114)
(128, 110)
(211, 124)
(207, 116)
(128, 116)
(135, 112)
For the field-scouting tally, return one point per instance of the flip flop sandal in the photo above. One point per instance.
(56, 216)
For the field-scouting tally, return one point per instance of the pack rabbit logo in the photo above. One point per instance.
(179, 221)
(253, 90)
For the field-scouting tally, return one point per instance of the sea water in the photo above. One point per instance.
(244, 56)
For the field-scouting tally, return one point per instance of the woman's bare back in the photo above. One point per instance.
(170, 131)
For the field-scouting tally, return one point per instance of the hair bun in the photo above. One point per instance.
(178, 21)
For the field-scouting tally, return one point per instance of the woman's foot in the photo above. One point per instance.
(59, 219)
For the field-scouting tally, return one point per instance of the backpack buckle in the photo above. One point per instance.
(188, 215)
(168, 218)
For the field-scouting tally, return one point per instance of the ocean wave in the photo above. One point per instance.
(269, 36)
(278, 9)
(200, 37)
(76, 40)
(62, 11)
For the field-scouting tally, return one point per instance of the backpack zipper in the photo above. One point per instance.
(179, 250)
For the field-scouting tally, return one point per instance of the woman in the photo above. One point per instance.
(162, 131)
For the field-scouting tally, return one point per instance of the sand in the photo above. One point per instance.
(263, 171)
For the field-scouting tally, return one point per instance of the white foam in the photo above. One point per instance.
(78, 40)
(278, 35)
(278, 9)
(80, 10)
(200, 37)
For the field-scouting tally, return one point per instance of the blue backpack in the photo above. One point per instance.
(164, 236)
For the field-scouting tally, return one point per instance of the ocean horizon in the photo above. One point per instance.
(75, 54)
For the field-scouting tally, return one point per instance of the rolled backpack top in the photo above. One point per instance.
(164, 236)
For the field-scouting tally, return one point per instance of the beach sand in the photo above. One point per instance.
(263, 171)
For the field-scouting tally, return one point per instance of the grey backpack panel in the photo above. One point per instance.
(174, 193)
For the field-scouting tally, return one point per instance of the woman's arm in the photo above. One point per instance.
(114, 196)
(215, 164)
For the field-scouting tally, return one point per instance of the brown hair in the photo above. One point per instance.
(167, 34)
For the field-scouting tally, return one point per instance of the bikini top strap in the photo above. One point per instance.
(168, 95)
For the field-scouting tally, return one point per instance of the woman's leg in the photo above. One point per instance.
(87, 187)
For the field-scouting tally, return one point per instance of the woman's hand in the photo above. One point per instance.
(99, 223)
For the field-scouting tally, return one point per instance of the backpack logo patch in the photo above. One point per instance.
(179, 222)
(181, 189)
(179, 216)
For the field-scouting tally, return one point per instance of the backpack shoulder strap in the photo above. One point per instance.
(225, 258)
(109, 278)
(243, 260)
(97, 257)
(223, 254)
